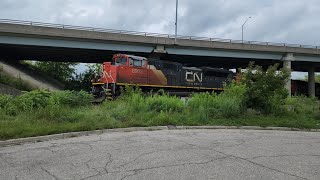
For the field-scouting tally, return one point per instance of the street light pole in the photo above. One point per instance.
(176, 30)
(243, 26)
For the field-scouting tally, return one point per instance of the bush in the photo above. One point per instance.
(206, 105)
(70, 98)
(32, 100)
(303, 105)
(136, 103)
(4, 100)
(40, 99)
(265, 89)
(165, 103)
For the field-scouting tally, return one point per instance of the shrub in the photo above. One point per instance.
(4, 100)
(165, 103)
(303, 105)
(127, 91)
(206, 105)
(265, 89)
(32, 100)
(136, 102)
(70, 98)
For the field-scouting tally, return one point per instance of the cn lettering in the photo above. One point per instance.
(193, 76)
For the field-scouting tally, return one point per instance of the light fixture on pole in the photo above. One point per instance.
(176, 30)
(243, 26)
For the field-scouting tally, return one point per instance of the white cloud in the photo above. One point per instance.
(292, 21)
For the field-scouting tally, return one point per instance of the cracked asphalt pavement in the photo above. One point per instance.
(168, 154)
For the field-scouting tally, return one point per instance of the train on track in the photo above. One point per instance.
(151, 75)
(172, 77)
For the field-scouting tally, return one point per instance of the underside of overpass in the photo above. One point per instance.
(41, 53)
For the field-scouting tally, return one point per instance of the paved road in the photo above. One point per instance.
(168, 154)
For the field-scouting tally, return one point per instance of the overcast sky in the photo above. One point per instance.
(288, 21)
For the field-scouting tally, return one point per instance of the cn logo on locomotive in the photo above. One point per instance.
(193, 76)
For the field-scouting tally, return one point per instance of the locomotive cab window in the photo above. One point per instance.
(121, 61)
(136, 62)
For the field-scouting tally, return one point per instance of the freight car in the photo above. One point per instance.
(300, 88)
(151, 74)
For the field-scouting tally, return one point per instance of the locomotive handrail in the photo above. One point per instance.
(137, 33)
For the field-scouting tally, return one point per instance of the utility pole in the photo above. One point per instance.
(243, 26)
(176, 30)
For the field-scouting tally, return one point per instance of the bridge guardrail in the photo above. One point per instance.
(137, 33)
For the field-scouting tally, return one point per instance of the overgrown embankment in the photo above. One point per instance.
(41, 113)
(260, 99)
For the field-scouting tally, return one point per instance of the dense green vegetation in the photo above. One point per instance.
(259, 100)
(40, 112)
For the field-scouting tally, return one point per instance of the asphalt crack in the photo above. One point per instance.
(107, 163)
(285, 155)
(49, 173)
(261, 165)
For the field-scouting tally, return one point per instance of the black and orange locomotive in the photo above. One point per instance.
(156, 74)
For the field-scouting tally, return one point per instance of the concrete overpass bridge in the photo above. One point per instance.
(20, 40)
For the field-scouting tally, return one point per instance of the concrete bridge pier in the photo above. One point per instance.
(287, 59)
(157, 52)
(311, 82)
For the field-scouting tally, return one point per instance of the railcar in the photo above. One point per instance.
(172, 77)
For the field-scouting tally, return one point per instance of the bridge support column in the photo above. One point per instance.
(311, 82)
(160, 49)
(287, 64)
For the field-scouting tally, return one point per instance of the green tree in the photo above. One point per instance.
(82, 81)
(266, 88)
(61, 71)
